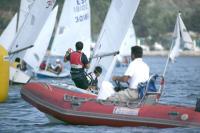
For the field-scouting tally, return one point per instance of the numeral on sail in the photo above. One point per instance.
(80, 2)
(81, 18)
(49, 3)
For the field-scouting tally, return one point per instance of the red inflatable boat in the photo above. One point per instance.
(84, 109)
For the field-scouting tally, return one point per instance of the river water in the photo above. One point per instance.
(182, 88)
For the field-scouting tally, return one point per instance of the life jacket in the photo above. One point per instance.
(75, 60)
(92, 79)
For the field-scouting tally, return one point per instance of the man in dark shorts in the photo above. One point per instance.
(79, 62)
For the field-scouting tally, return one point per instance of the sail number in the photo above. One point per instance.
(81, 8)
(80, 2)
(81, 18)
(50, 3)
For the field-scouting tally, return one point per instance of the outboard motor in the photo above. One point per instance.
(197, 109)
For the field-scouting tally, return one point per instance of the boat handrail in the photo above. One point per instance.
(153, 78)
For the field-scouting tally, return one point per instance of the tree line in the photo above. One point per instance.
(153, 21)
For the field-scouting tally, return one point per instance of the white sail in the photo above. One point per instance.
(176, 41)
(35, 55)
(24, 10)
(115, 27)
(74, 25)
(128, 42)
(9, 33)
(31, 27)
(181, 38)
(187, 40)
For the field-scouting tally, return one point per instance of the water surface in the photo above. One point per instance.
(182, 88)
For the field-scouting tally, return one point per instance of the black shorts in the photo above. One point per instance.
(80, 81)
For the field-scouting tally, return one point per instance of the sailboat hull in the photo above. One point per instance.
(79, 108)
(18, 76)
(47, 74)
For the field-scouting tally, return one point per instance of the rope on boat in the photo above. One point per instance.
(77, 101)
(158, 93)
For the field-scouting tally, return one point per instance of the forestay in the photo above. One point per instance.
(9, 33)
(31, 27)
(115, 27)
(35, 55)
(74, 25)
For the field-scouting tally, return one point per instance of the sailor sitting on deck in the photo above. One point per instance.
(137, 72)
(93, 79)
(79, 62)
(57, 68)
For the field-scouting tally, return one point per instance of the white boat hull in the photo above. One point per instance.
(49, 74)
(18, 76)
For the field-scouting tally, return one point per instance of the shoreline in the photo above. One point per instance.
(165, 53)
(161, 53)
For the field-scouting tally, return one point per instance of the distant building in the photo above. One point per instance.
(144, 47)
(158, 47)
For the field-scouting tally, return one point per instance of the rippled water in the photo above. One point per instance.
(182, 87)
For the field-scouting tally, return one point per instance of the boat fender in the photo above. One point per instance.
(184, 117)
(197, 109)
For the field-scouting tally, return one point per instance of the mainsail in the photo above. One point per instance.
(181, 38)
(115, 27)
(128, 42)
(74, 25)
(35, 55)
(187, 40)
(9, 33)
(31, 27)
(25, 7)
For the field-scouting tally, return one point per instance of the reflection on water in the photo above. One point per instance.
(182, 87)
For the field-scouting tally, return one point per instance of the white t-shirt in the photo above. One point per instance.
(138, 72)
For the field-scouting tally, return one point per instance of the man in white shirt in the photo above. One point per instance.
(137, 72)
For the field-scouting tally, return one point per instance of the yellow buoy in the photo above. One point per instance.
(4, 74)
